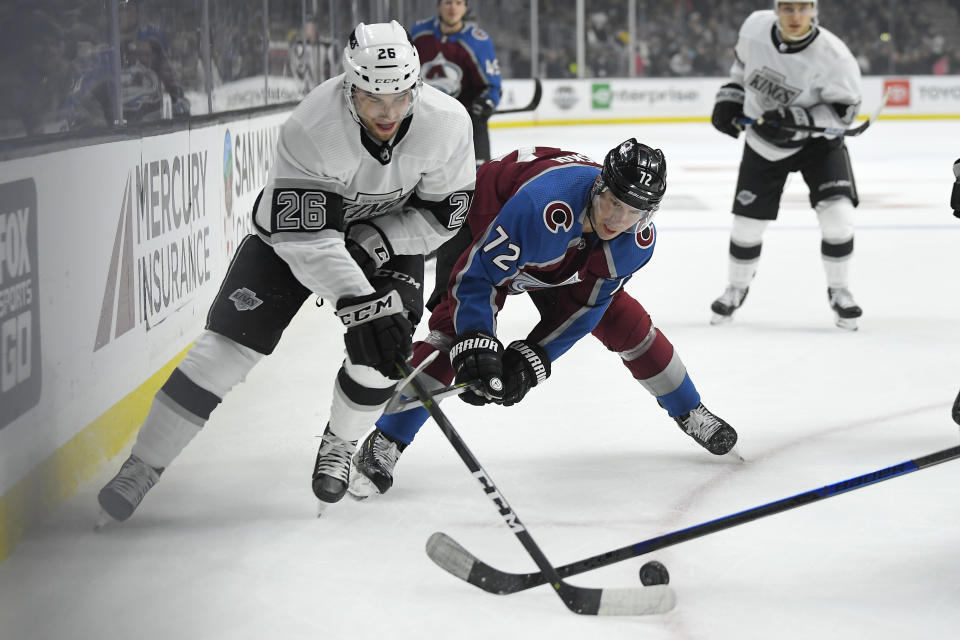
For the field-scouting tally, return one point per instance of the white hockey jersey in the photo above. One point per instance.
(329, 173)
(818, 73)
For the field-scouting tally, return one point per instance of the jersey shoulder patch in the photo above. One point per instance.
(479, 33)
(645, 237)
(558, 216)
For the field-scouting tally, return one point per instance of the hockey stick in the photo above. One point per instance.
(531, 106)
(452, 557)
(830, 131)
(400, 402)
(587, 601)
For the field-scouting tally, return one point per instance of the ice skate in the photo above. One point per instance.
(332, 469)
(724, 306)
(710, 431)
(373, 464)
(845, 309)
(120, 497)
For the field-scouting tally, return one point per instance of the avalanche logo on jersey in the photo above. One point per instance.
(525, 282)
(772, 88)
(444, 75)
(645, 237)
(558, 215)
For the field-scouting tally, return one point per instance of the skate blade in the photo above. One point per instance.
(104, 521)
(847, 324)
(732, 456)
(322, 507)
(721, 319)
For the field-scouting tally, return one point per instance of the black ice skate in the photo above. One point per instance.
(332, 469)
(373, 465)
(845, 309)
(120, 497)
(710, 431)
(724, 306)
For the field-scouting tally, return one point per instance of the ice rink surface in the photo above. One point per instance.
(227, 546)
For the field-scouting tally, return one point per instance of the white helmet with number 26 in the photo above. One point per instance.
(379, 58)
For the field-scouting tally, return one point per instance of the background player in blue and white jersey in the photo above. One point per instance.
(457, 57)
(555, 225)
(790, 72)
(373, 172)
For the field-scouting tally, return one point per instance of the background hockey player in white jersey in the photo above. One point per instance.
(789, 72)
(373, 171)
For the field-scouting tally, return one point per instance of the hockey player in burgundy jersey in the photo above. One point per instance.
(557, 226)
(457, 57)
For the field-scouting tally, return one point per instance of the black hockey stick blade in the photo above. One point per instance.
(629, 601)
(530, 106)
(453, 558)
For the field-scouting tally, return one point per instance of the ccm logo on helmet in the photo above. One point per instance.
(645, 237)
(558, 215)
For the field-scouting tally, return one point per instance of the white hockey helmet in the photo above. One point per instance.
(380, 58)
(777, 3)
(815, 21)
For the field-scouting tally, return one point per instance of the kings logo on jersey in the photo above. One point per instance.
(772, 88)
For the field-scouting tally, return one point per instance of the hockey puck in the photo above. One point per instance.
(654, 572)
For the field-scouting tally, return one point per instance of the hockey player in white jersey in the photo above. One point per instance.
(373, 171)
(789, 73)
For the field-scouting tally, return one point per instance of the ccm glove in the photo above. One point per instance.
(476, 356)
(525, 365)
(778, 125)
(482, 108)
(727, 108)
(368, 247)
(378, 333)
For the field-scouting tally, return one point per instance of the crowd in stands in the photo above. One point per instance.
(56, 61)
(696, 37)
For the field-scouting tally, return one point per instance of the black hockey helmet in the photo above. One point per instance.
(635, 174)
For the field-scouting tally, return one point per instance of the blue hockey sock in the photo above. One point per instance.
(681, 400)
(403, 426)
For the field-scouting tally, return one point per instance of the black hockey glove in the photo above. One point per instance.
(777, 125)
(955, 196)
(368, 247)
(727, 108)
(525, 365)
(378, 333)
(482, 108)
(476, 356)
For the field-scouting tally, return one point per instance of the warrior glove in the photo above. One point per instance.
(779, 125)
(727, 109)
(477, 357)
(525, 365)
(378, 332)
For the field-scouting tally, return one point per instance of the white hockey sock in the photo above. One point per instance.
(740, 272)
(165, 432)
(838, 271)
(359, 397)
